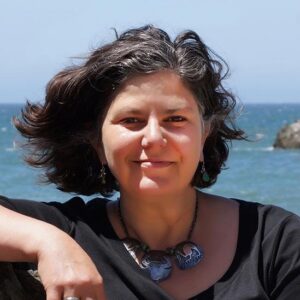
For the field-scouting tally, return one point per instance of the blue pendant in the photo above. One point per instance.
(188, 255)
(158, 264)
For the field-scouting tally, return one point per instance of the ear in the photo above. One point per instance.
(101, 155)
(96, 143)
(206, 132)
(207, 126)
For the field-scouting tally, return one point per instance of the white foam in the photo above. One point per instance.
(271, 148)
(15, 146)
(259, 136)
(248, 149)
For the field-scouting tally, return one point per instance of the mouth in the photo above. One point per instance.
(153, 163)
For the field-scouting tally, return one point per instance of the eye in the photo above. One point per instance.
(130, 120)
(176, 119)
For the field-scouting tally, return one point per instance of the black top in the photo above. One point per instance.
(266, 264)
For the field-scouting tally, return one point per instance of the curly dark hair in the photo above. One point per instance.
(59, 131)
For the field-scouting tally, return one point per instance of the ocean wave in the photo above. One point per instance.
(15, 146)
(260, 149)
(3, 129)
(259, 136)
(10, 149)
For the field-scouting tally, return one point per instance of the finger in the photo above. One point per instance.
(96, 295)
(72, 292)
(73, 298)
(53, 294)
(100, 294)
(88, 290)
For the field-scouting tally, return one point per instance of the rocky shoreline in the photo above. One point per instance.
(288, 137)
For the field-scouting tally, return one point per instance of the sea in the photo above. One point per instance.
(254, 171)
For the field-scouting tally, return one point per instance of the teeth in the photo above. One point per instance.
(155, 163)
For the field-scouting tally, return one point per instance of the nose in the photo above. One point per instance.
(153, 134)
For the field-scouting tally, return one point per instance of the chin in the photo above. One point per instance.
(155, 185)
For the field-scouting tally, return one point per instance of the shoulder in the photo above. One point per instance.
(277, 242)
(60, 214)
(268, 248)
(266, 215)
(271, 224)
(270, 218)
(216, 202)
(76, 207)
(278, 232)
(260, 225)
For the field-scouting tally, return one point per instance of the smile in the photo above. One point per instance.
(154, 164)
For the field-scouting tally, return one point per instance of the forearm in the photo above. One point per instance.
(64, 267)
(22, 237)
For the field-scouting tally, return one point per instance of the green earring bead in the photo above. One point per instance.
(205, 177)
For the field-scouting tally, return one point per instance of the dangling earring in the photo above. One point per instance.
(102, 175)
(205, 176)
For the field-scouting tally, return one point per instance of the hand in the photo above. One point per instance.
(66, 270)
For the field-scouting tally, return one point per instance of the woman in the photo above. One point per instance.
(149, 117)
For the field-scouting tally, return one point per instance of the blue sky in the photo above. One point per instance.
(260, 39)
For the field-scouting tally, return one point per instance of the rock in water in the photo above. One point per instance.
(289, 137)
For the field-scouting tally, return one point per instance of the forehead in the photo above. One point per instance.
(164, 88)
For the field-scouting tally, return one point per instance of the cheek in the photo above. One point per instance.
(116, 145)
(190, 145)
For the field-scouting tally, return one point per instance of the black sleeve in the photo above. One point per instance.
(54, 213)
(283, 242)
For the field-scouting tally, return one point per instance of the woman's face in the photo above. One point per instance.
(153, 134)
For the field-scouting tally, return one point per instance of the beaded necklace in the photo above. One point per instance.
(158, 263)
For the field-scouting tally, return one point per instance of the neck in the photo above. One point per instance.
(159, 221)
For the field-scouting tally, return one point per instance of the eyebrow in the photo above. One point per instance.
(136, 111)
(174, 110)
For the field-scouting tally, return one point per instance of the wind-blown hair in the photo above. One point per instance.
(60, 130)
